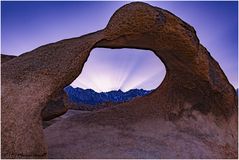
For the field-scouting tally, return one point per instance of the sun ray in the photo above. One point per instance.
(125, 69)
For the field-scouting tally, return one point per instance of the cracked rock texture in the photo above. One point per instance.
(192, 114)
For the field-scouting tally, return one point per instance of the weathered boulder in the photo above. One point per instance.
(194, 109)
(55, 107)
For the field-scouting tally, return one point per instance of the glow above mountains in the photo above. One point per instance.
(125, 69)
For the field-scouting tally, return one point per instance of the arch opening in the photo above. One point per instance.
(111, 76)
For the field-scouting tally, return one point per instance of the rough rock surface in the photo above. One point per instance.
(55, 107)
(192, 114)
(62, 117)
(79, 136)
(5, 58)
(84, 107)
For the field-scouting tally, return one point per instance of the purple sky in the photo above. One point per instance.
(28, 25)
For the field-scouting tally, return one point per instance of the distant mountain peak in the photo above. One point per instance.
(90, 97)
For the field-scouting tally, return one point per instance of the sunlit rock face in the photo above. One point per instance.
(192, 114)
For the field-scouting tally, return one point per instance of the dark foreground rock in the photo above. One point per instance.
(192, 114)
(61, 118)
(55, 107)
(5, 58)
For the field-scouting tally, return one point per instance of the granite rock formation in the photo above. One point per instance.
(192, 114)
(5, 58)
(54, 107)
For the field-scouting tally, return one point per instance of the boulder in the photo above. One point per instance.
(55, 107)
(192, 114)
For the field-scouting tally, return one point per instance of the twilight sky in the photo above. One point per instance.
(28, 25)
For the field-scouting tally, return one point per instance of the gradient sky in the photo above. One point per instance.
(28, 25)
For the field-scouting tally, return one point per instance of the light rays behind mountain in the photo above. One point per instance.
(125, 69)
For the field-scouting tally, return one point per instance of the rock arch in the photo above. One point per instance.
(194, 80)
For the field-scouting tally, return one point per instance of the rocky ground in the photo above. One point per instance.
(84, 134)
(61, 118)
